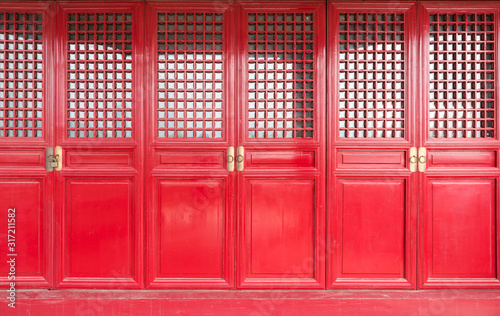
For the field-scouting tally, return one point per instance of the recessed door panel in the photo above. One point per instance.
(373, 227)
(22, 202)
(280, 246)
(280, 221)
(373, 235)
(98, 228)
(461, 221)
(190, 221)
(191, 235)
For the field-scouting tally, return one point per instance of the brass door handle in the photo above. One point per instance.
(422, 159)
(59, 154)
(240, 158)
(413, 159)
(230, 159)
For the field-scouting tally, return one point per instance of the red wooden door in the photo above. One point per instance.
(190, 115)
(458, 219)
(371, 191)
(281, 110)
(25, 133)
(228, 180)
(99, 190)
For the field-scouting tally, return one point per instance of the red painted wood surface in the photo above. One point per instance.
(280, 202)
(192, 219)
(371, 214)
(373, 219)
(458, 209)
(326, 97)
(99, 196)
(26, 129)
(279, 232)
(27, 197)
(109, 240)
(443, 302)
(189, 193)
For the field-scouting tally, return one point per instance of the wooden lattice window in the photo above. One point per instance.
(99, 49)
(462, 75)
(190, 75)
(21, 74)
(371, 69)
(281, 75)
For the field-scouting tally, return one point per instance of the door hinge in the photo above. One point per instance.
(53, 158)
(422, 159)
(413, 159)
(240, 158)
(230, 159)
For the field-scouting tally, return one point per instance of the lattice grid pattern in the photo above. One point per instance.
(99, 73)
(21, 74)
(371, 96)
(190, 75)
(280, 75)
(462, 76)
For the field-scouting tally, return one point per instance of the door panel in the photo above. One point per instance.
(26, 32)
(99, 224)
(191, 216)
(373, 235)
(459, 231)
(461, 221)
(192, 230)
(456, 159)
(373, 241)
(190, 193)
(27, 196)
(281, 249)
(100, 187)
(459, 192)
(371, 205)
(371, 159)
(108, 239)
(280, 228)
(280, 125)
